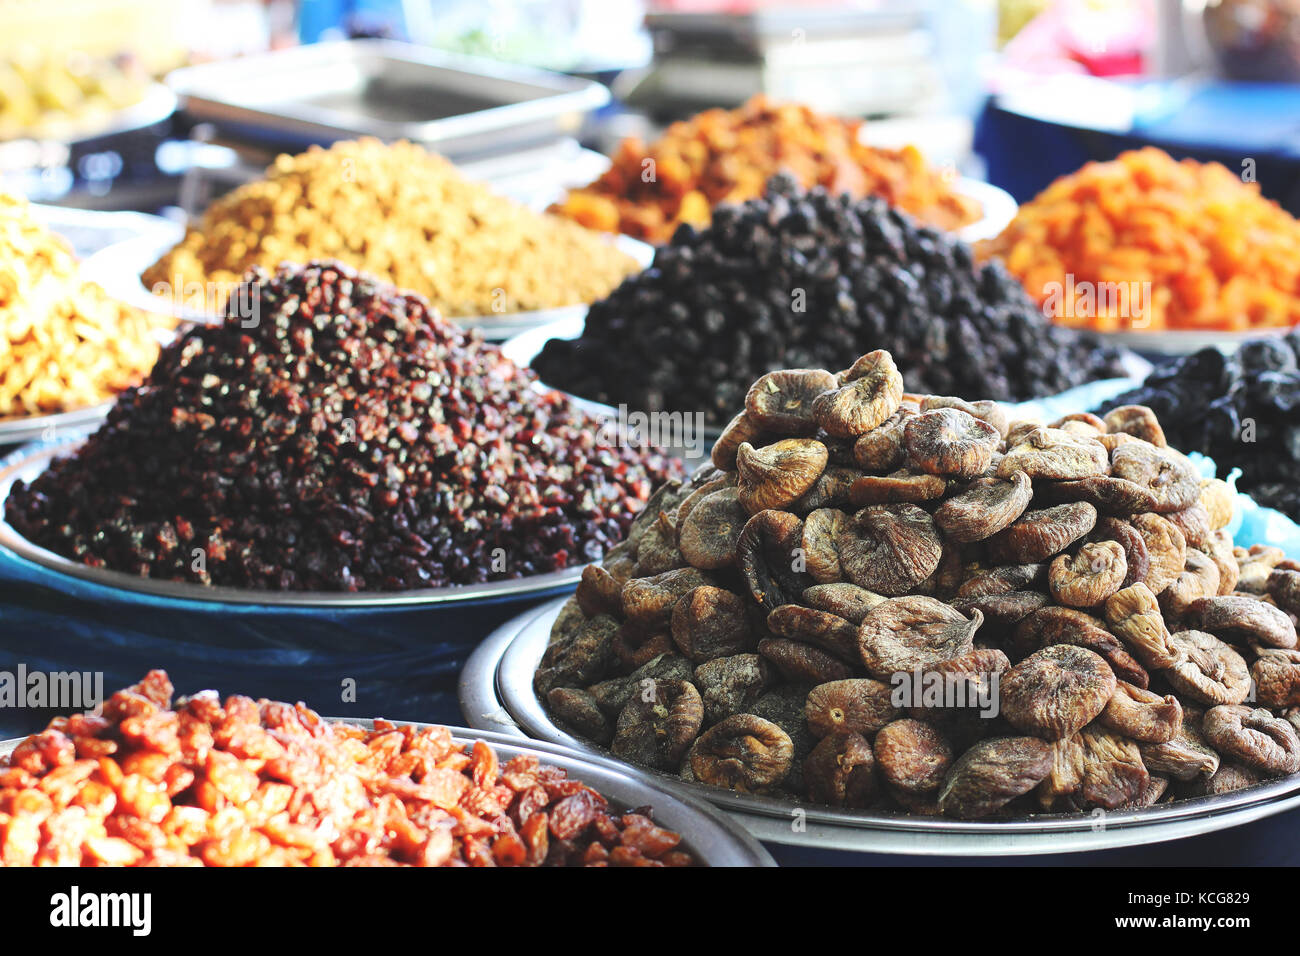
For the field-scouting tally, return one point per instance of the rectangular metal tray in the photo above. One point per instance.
(460, 106)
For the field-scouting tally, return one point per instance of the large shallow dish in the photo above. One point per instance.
(119, 267)
(496, 694)
(714, 838)
(29, 462)
(461, 106)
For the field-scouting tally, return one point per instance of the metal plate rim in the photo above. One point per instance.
(29, 459)
(495, 690)
(715, 838)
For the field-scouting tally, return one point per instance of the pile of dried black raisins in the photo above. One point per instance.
(801, 279)
(1243, 411)
(339, 436)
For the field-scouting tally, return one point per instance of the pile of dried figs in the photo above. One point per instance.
(887, 601)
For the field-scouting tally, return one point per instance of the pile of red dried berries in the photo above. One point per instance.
(264, 783)
(334, 434)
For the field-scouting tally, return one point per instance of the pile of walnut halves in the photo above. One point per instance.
(886, 601)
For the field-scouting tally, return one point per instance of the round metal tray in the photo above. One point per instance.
(119, 267)
(715, 839)
(17, 431)
(157, 104)
(496, 694)
(30, 461)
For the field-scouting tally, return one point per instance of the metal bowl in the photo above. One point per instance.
(712, 837)
(119, 267)
(30, 461)
(496, 694)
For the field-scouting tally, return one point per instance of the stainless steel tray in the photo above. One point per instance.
(29, 462)
(496, 694)
(459, 105)
(18, 431)
(157, 104)
(118, 270)
(715, 839)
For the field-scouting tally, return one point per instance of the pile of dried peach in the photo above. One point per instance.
(878, 600)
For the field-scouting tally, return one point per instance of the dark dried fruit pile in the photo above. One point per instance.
(1243, 411)
(802, 279)
(261, 783)
(348, 440)
(886, 601)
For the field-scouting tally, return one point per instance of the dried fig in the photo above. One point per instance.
(985, 507)
(1218, 500)
(894, 487)
(1055, 455)
(1186, 757)
(1200, 579)
(1163, 471)
(889, 549)
(658, 724)
(777, 475)
(913, 756)
(599, 592)
(1284, 587)
(859, 705)
(1238, 617)
(1253, 737)
(1166, 547)
(881, 449)
(1136, 558)
(1060, 625)
(771, 558)
(1104, 492)
(830, 491)
(708, 622)
(1089, 576)
(803, 663)
(1065, 779)
(739, 431)
(1194, 523)
(648, 602)
(821, 554)
(985, 411)
(992, 774)
(871, 392)
(781, 402)
(731, 685)
(1055, 692)
(582, 657)
(1113, 772)
(840, 771)
(904, 633)
(810, 626)
(1039, 535)
(744, 753)
(1276, 674)
(1134, 617)
(843, 600)
(950, 442)
(710, 532)
(1208, 670)
(1138, 421)
(579, 710)
(1002, 580)
(1142, 715)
